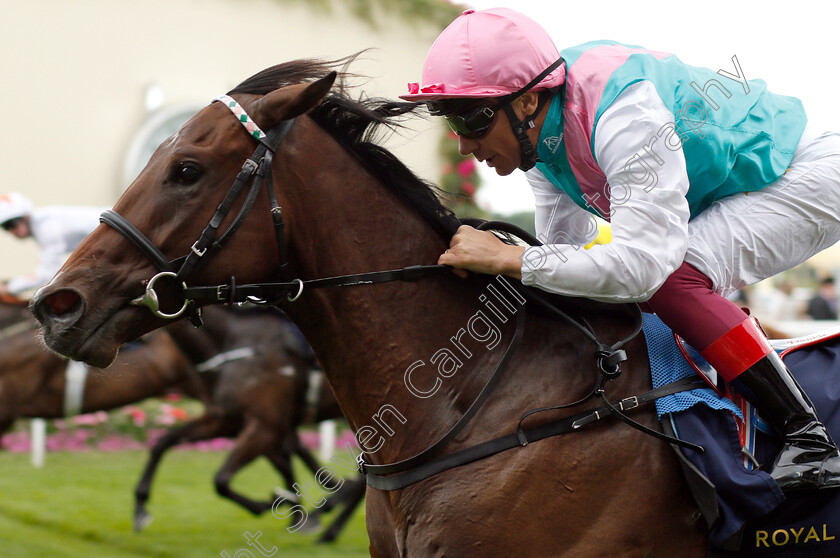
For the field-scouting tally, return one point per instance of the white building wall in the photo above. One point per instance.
(74, 76)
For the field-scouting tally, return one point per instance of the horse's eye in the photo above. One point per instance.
(186, 173)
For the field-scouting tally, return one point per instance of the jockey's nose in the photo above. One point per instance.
(58, 310)
(466, 146)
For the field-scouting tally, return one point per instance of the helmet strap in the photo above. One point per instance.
(520, 130)
(521, 127)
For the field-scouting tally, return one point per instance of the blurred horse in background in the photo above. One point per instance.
(252, 392)
(267, 385)
(15, 316)
(37, 383)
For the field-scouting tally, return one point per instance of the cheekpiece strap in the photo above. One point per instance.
(242, 116)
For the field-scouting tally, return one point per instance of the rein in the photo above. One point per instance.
(610, 357)
(257, 169)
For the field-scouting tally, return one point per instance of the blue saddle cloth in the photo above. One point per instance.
(753, 514)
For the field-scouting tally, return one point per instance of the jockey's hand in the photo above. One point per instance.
(482, 252)
(4, 289)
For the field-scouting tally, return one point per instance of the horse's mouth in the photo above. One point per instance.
(98, 347)
(94, 352)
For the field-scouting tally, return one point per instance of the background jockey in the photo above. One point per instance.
(56, 230)
(710, 182)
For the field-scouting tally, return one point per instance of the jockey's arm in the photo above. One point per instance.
(649, 214)
(53, 235)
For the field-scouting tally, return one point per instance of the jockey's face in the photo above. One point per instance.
(498, 147)
(19, 227)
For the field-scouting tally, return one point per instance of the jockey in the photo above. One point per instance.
(56, 230)
(709, 181)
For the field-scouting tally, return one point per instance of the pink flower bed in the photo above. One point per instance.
(82, 440)
(134, 427)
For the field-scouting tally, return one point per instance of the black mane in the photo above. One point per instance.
(355, 123)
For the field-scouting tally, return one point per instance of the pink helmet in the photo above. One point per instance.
(487, 53)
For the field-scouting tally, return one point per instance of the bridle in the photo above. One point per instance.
(256, 170)
(424, 464)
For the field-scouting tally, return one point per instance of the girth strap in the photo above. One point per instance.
(224, 358)
(75, 379)
(520, 438)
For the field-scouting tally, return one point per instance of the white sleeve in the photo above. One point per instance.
(52, 254)
(57, 231)
(649, 212)
(557, 218)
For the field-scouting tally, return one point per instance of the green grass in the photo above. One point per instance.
(80, 505)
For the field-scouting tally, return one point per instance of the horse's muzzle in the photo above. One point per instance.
(58, 311)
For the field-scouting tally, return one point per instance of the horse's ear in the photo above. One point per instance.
(291, 101)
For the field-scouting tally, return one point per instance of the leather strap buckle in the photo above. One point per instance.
(594, 416)
(196, 251)
(628, 403)
(250, 166)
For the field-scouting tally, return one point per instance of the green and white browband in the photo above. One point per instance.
(242, 116)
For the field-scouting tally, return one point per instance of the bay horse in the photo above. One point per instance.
(395, 353)
(15, 316)
(34, 380)
(260, 396)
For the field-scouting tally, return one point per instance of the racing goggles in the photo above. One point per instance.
(473, 123)
(11, 223)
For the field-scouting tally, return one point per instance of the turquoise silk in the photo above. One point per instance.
(736, 136)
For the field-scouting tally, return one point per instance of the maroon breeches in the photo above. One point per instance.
(723, 333)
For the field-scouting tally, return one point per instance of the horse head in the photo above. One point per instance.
(87, 311)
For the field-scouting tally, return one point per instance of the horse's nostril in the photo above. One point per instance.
(60, 309)
(62, 302)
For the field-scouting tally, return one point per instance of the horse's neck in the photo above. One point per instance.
(367, 336)
(41, 380)
(370, 337)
